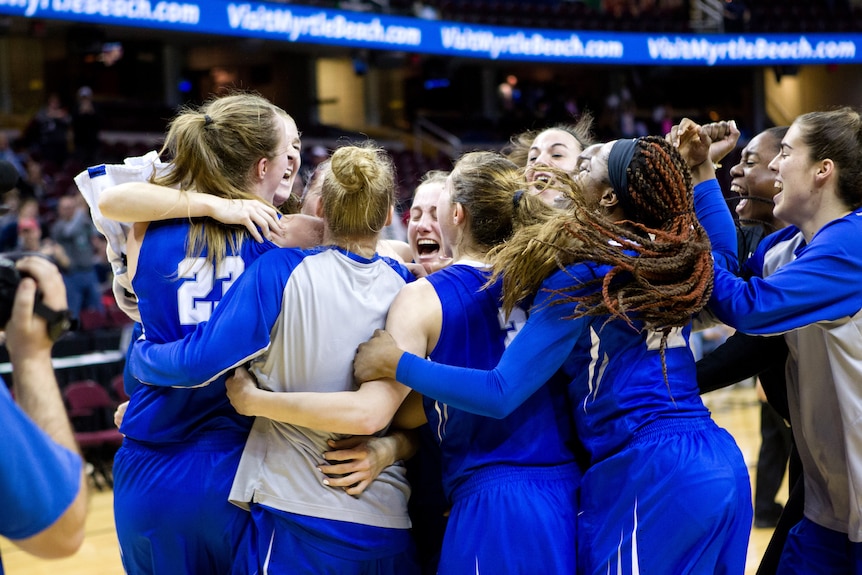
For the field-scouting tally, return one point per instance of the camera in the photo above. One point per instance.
(58, 322)
(10, 277)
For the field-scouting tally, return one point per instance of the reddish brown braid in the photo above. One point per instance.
(669, 276)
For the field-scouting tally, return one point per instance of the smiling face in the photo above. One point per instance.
(423, 229)
(289, 157)
(593, 175)
(753, 181)
(795, 202)
(555, 149)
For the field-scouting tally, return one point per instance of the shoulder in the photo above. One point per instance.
(395, 249)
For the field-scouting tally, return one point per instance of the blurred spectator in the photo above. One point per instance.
(19, 209)
(74, 231)
(36, 183)
(30, 240)
(10, 155)
(49, 130)
(736, 16)
(85, 127)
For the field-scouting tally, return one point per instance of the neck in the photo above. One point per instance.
(365, 246)
(473, 253)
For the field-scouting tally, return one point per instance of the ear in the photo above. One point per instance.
(318, 209)
(458, 214)
(825, 172)
(260, 168)
(391, 215)
(609, 199)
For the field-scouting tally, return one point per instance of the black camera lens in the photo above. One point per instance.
(9, 280)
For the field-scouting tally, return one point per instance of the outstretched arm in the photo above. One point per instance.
(363, 412)
(535, 354)
(812, 288)
(413, 317)
(250, 307)
(146, 202)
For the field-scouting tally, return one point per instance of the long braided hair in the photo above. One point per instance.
(660, 258)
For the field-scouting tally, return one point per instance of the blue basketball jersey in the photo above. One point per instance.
(474, 334)
(175, 293)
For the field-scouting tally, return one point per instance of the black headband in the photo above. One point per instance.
(619, 159)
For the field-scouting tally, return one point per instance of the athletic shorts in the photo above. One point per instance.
(811, 548)
(513, 520)
(171, 506)
(676, 500)
(283, 543)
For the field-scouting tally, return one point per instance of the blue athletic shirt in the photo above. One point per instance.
(209, 352)
(617, 381)
(474, 334)
(300, 316)
(175, 293)
(810, 292)
(39, 479)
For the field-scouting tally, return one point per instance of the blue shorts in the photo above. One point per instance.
(676, 500)
(811, 548)
(171, 506)
(289, 544)
(514, 520)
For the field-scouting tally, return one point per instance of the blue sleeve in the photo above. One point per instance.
(238, 330)
(535, 354)
(821, 284)
(713, 214)
(39, 478)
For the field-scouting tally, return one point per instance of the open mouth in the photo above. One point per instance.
(541, 181)
(287, 174)
(427, 247)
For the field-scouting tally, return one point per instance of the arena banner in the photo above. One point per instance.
(312, 25)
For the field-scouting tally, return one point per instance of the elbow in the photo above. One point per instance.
(370, 424)
(64, 546)
(500, 412)
(65, 536)
(107, 203)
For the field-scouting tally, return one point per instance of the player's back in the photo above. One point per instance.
(474, 334)
(176, 292)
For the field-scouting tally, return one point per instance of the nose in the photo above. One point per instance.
(773, 164)
(736, 170)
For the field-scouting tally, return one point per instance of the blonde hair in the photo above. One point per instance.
(518, 148)
(358, 191)
(491, 190)
(214, 150)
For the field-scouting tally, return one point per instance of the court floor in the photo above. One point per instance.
(735, 408)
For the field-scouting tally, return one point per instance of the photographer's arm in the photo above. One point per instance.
(39, 397)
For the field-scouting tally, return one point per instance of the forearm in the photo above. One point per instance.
(740, 357)
(38, 395)
(347, 412)
(145, 202)
(713, 214)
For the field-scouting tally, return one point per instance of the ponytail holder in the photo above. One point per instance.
(207, 120)
(516, 199)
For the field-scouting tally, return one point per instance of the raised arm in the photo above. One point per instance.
(146, 202)
(49, 474)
